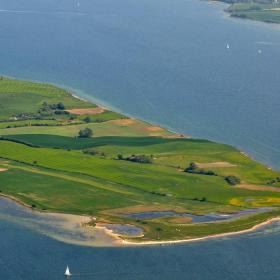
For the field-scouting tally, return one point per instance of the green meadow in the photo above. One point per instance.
(44, 164)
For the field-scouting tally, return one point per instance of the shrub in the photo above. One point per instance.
(136, 158)
(60, 106)
(87, 119)
(232, 180)
(94, 153)
(193, 168)
(274, 181)
(139, 158)
(120, 156)
(72, 117)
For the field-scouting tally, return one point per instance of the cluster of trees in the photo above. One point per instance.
(230, 179)
(88, 119)
(85, 133)
(274, 181)
(45, 111)
(25, 116)
(193, 168)
(136, 158)
(56, 106)
(48, 109)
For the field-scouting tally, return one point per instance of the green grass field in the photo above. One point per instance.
(50, 167)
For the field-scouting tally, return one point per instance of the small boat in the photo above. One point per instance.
(67, 273)
(259, 51)
(227, 46)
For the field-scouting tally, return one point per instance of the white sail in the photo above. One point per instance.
(67, 272)
(227, 46)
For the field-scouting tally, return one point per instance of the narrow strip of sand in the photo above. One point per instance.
(205, 238)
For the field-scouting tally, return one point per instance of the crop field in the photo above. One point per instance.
(125, 165)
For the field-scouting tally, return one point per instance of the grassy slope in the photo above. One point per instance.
(71, 181)
(166, 152)
(26, 97)
(109, 128)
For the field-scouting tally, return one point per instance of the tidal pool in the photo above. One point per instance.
(124, 230)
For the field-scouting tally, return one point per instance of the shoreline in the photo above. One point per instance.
(70, 224)
(124, 241)
(205, 238)
(119, 241)
(75, 93)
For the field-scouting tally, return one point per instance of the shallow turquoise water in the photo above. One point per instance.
(162, 60)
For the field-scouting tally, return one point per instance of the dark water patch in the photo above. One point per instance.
(125, 230)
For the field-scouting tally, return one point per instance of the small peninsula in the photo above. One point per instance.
(60, 153)
(258, 10)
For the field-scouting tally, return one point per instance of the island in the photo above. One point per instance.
(62, 154)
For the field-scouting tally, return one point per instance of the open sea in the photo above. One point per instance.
(164, 61)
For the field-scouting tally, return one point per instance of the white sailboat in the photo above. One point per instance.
(227, 46)
(67, 273)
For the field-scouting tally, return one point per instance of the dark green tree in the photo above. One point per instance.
(85, 133)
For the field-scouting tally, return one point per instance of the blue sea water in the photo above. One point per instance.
(165, 61)
(26, 255)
